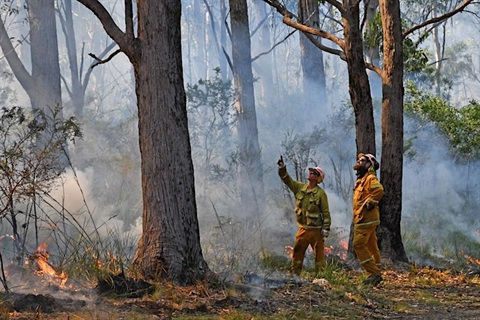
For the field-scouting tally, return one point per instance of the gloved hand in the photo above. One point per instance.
(369, 206)
(325, 233)
(280, 162)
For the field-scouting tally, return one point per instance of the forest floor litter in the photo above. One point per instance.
(405, 293)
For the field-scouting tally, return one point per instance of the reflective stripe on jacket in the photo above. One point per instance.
(367, 190)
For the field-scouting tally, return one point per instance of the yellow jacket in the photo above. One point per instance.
(367, 190)
(311, 206)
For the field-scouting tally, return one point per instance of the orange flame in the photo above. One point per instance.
(329, 250)
(289, 251)
(343, 244)
(472, 260)
(44, 268)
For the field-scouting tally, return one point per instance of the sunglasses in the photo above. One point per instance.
(315, 173)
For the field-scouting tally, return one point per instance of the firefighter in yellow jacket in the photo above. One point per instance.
(312, 215)
(366, 216)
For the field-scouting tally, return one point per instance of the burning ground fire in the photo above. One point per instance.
(339, 250)
(470, 259)
(43, 268)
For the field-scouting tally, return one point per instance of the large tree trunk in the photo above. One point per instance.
(250, 171)
(314, 84)
(169, 247)
(170, 243)
(390, 239)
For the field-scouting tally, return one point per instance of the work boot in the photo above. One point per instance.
(373, 280)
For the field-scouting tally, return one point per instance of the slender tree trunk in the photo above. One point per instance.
(262, 66)
(314, 84)
(372, 54)
(76, 90)
(201, 48)
(43, 84)
(226, 73)
(359, 86)
(359, 89)
(44, 51)
(390, 239)
(250, 172)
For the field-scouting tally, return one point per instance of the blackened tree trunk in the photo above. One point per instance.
(169, 247)
(359, 86)
(390, 238)
(250, 170)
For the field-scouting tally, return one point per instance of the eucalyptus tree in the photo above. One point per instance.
(169, 247)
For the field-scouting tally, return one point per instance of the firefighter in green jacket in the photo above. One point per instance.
(366, 216)
(312, 215)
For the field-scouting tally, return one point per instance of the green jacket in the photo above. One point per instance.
(311, 207)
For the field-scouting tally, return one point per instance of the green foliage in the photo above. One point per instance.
(335, 274)
(460, 125)
(211, 117)
(373, 35)
(415, 58)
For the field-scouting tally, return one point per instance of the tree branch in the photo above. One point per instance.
(14, 61)
(273, 47)
(337, 5)
(124, 42)
(287, 19)
(100, 61)
(438, 19)
(322, 47)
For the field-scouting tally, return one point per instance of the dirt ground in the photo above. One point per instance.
(404, 294)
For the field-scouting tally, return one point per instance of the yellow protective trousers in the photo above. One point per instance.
(366, 248)
(303, 239)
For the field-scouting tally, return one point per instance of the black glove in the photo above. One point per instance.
(369, 206)
(280, 162)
